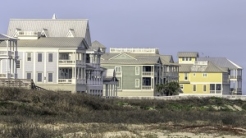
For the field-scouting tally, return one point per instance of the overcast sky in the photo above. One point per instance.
(210, 27)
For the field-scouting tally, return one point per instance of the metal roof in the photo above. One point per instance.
(188, 54)
(5, 37)
(97, 44)
(221, 62)
(51, 42)
(53, 27)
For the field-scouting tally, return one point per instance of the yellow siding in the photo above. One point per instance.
(187, 62)
(199, 80)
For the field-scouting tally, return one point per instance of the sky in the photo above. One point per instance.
(215, 28)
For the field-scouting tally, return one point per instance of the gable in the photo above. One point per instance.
(123, 56)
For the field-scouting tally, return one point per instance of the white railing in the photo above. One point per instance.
(77, 62)
(147, 73)
(8, 75)
(134, 50)
(8, 53)
(180, 97)
(68, 81)
(146, 87)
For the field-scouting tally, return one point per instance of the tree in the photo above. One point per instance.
(171, 88)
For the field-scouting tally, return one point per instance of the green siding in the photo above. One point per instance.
(128, 77)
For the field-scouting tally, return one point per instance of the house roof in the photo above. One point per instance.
(53, 27)
(5, 37)
(97, 44)
(136, 59)
(221, 62)
(210, 67)
(51, 42)
(188, 54)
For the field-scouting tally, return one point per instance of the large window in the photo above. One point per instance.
(137, 83)
(50, 77)
(194, 88)
(117, 69)
(39, 57)
(50, 57)
(28, 56)
(40, 75)
(28, 75)
(204, 88)
(212, 88)
(137, 69)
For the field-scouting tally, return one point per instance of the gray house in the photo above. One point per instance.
(139, 70)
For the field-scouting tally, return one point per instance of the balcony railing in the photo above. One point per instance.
(8, 75)
(235, 77)
(146, 87)
(69, 62)
(65, 81)
(147, 73)
(8, 53)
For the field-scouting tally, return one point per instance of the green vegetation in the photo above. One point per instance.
(24, 113)
(171, 88)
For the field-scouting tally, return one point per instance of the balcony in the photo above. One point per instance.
(147, 73)
(7, 54)
(71, 62)
(8, 75)
(71, 81)
(235, 77)
(144, 87)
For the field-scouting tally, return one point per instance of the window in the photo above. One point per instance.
(204, 75)
(117, 69)
(194, 74)
(212, 88)
(194, 88)
(29, 57)
(39, 57)
(39, 77)
(185, 76)
(183, 59)
(137, 83)
(18, 64)
(204, 88)
(28, 75)
(137, 70)
(181, 86)
(50, 77)
(50, 57)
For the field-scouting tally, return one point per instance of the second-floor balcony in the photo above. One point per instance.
(7, 54)
(235, 77)
(71, 62)
(146, 87)
(8, 75)
(147, 73)
(71, 81)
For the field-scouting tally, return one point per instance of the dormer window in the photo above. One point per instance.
(71, 33)
(44, 33)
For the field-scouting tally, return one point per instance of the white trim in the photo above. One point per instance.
(137, 83)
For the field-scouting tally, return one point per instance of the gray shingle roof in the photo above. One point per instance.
(50, 42)
(53, 27)
(221, 62)
(138, 59)
(188, 54)
(211, 67)
(97, 44)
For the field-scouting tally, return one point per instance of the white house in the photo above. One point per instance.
(53, 52)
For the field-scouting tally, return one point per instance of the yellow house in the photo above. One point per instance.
(201, 77)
